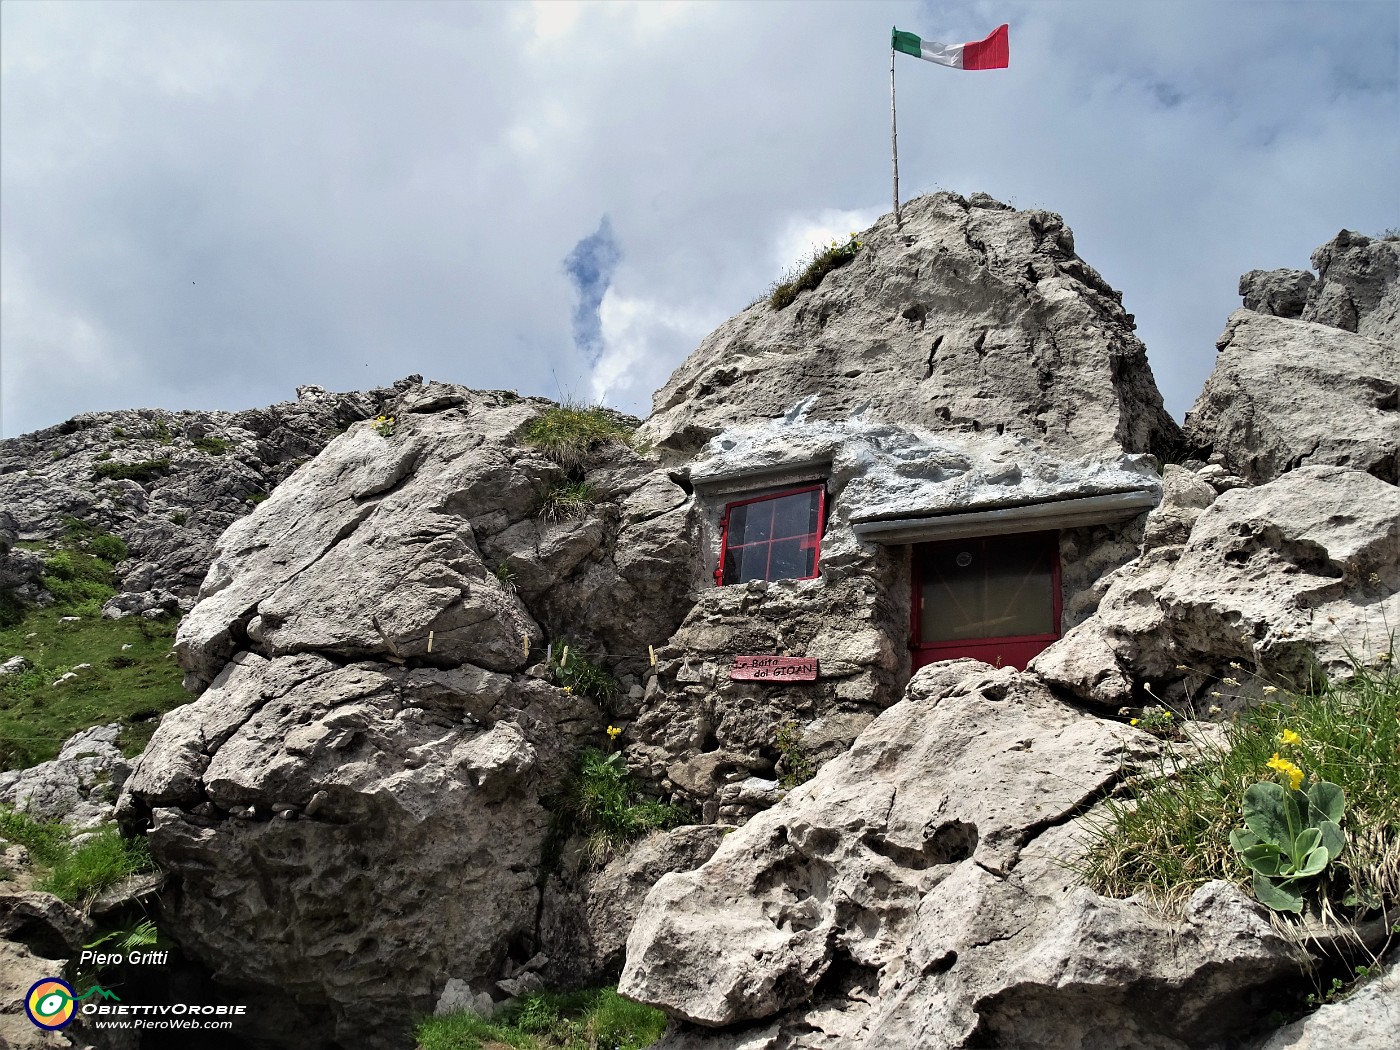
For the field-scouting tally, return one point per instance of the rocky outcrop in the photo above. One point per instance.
(1260, 407)
(1307, 373)
(917, 893)
(358, 792)
(1358, 286)
(1261, 586)
(1276, 293)
(79, 787)
(337, 826)
(1367, 1020)
(973, 317)
(189, 476)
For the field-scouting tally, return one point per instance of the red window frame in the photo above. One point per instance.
(814, 539)
(1000, 650)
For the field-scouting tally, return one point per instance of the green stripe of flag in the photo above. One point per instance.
(906, 42)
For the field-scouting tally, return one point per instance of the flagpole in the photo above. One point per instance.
(894, 143)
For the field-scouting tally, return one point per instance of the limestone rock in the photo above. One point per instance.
(38, 934)
(1303, 570)
(205, 470)
(1369, 1019)
(438, 527)
(585, 919)
(914, 894)
(1289, 393)
(78, 787)
(973, 317)
(1280, 293)
(1358, 287)
(333, 827)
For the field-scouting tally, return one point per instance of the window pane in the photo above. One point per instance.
(753, 562)
(788, 560)
(992, 588)
(795, 515)
(738, 519)
(773, 539)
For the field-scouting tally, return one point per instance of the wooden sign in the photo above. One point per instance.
(773, 669)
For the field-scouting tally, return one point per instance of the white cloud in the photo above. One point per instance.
(643, 340)
(238, 198)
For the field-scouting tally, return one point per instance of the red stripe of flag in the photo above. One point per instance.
(991, 53)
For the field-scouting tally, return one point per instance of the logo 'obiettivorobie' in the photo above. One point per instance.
(49, 1003)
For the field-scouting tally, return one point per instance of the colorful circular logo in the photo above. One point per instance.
(49, 1003)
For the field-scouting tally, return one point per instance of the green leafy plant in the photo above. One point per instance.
(825, 260)
(572, 434)
(213, 446)
(385, 426)
(582, 677)
(797, 767)
(1289, 837)
(600, 801)
(258, 497)
(1169, 831)
(179, 518)
(162, 432)
(141, 472)
(1158, 721)
(567, 499)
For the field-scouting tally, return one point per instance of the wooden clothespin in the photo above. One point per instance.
(430, 641)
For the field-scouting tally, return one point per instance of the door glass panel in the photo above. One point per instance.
(998, 587)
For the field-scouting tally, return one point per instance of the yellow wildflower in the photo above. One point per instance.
(1288, 738)
(1288, 769)
(568, 689)
(1133, 722)
(613, 732)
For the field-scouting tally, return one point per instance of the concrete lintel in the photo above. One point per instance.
(750, 478)
(1032, 517)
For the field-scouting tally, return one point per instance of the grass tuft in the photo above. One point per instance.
(567, 499)
(572, 433)
(75, 874)
(141, 471)
(600, 802)
(598, 1019)
(213, 446)
(822, 263)
(1171, 834)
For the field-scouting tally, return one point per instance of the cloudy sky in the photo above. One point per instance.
(204, 205)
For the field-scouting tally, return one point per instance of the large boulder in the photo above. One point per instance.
(1289, 393)
(78, 787)
(972, 316)
(336, 826)
(1269, 585)
(1358, 286)
(920, 892)
(360, 789)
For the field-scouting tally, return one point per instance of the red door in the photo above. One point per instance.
(996, 599)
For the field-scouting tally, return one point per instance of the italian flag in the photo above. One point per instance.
(992, 53)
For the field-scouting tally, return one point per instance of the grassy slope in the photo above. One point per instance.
(134, 686)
